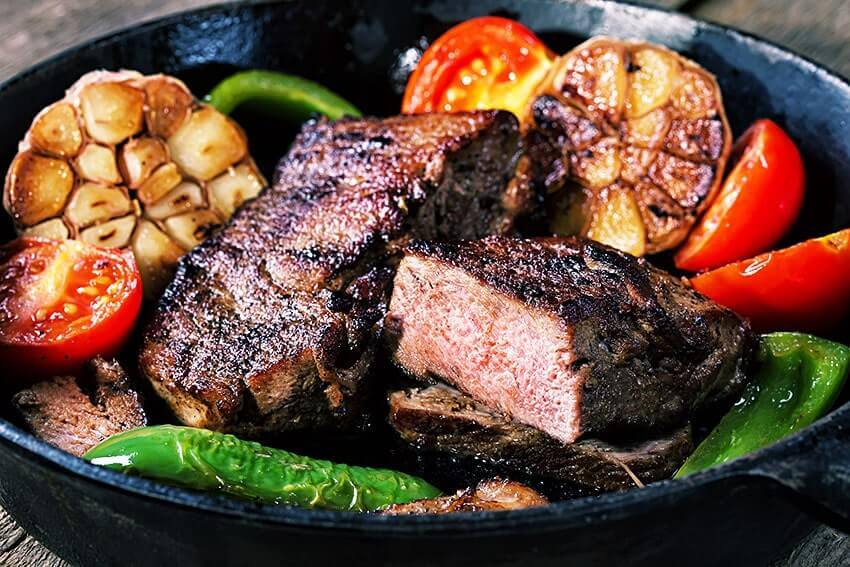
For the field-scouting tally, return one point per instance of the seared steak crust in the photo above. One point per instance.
(441, 420)
(269, 325)
(60, 412)
(491, 495)
(564, 334)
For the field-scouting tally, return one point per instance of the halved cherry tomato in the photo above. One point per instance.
(802, 288)
(758, 203)
(61, 304)
(486, 62)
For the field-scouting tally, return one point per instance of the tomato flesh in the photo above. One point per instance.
(63, 303)
(758, 202)
(487, 62)
(805, 287)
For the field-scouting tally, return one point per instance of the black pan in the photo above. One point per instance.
(747, 512)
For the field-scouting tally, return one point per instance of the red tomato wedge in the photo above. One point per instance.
(62, 303)
(802, 288)
(757, 204)
(486, 62)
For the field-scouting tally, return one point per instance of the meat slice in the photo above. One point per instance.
(271, 323)
(490, 495)
(60, 412)
(563, 334)
(438, 421)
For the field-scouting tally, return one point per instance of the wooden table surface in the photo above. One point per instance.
(31, 30)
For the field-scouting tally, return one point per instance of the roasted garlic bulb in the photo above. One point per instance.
(628, 140)
(127, 160)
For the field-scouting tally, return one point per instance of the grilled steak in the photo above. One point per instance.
(565, 335)
(270, 324)
(440, 421)
(63, 414)
(491, 495)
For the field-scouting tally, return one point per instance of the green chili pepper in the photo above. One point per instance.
(206, 460)
(799, 379)
(287, 95)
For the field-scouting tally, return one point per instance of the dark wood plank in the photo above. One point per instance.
(819, 29)
(822, 548)
(18, 548)
(31, 30)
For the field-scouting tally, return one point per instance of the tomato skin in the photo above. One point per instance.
(805, 287)
(757, 204)
(66, 351)
(486, 62)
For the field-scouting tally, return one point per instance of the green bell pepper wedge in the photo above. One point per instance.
(798, 381)
(211, 461)
(286, 95)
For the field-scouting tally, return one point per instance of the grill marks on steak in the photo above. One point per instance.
(562, 334)
(270, 324)
(62, 413)
(440, 421)
(490, 495)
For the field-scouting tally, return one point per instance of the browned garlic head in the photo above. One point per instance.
(127, 160)
(629, 140)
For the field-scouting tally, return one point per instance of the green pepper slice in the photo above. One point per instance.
(287, 95)
(799, 379)
(211, 461)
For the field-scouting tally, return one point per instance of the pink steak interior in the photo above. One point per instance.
(450, 325)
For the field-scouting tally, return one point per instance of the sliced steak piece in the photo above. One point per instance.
(565, 335)
(270, 324)
(60, 411)
(491, 495)
(439, 419)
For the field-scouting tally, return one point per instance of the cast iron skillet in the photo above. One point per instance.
(747, 512)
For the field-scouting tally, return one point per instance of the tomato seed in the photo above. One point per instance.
(70, 309)
(101, 280)
(88, 290)
(40, 315)
(37, 266)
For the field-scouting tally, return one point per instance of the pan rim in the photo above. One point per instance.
(557, 515)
